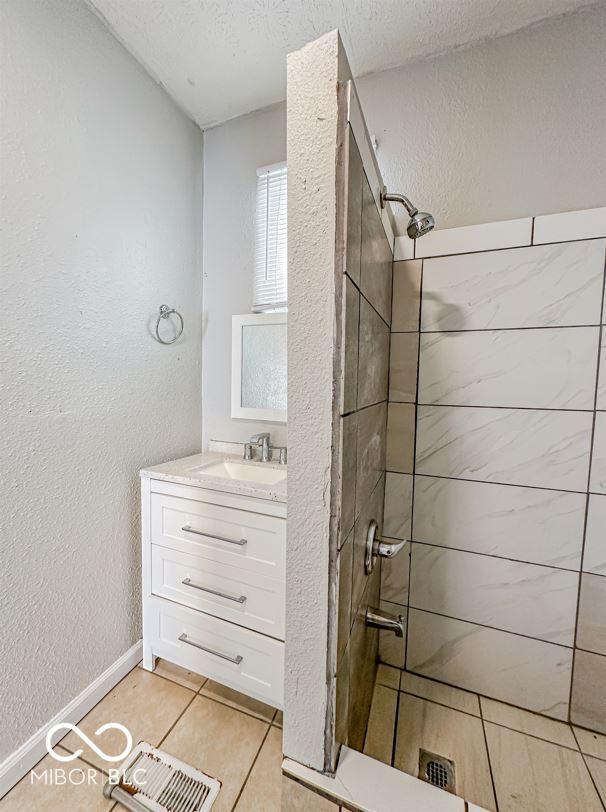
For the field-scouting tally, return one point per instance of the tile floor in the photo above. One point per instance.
(223, 733)
(506, 759)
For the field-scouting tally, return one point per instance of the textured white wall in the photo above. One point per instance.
(232, 153)
(101, 204)
(509, 128)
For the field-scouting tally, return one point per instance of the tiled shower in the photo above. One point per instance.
(496, 469)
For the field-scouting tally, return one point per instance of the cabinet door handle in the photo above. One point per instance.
(185, 639)
(188, 529)
(189, 582)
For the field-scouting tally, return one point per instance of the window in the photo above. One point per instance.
(270, 240)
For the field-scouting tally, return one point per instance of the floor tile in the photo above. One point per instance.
(278, 719)
(597, 768)
(446, 732)
(72, 797)
(147, 705)
(220, 741)
(239, 701)
(590, 743)
(381, 724)
(188, 679)
(263, 789)
(437, 692)
(297, 798)
(587, 706)
(526, 722)
(388, 676)
(536, 776)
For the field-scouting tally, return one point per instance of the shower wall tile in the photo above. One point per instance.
(403, 358)
(526, 599)
(363, 654)
(395, 576)
(372, 508)
(542, 369)
(398, 506)
(345, 568)
(354, 210)
(591, 634)
(392, 648)
(373, 356)
(594, 559)
(400, 437)
(546, 449)
(570, 225)
(537, 286)
(376, 257)
(406, 296)
(527, 524)
(601, 394)
(588, 708)
(370, 452)
(482, 237)
(351, 318)
(598, 460)
(518, 670)
(349, 432)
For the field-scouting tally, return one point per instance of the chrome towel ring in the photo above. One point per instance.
(165, 312)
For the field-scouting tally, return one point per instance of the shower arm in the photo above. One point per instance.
(395, 198)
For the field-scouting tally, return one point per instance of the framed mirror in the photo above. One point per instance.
(258, 367)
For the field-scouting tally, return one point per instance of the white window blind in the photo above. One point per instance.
(270, 292)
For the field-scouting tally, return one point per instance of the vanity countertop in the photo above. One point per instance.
(197, 471)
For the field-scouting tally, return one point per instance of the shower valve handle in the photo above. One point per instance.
(375, 547)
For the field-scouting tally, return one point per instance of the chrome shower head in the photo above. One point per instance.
(420, 221)
(419, 224)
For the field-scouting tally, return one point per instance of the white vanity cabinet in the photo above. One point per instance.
(214, 584)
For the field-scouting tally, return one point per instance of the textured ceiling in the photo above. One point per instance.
(221, 58)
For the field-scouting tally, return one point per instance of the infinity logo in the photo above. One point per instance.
(86, 740)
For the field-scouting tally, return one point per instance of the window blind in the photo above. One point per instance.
(270, 288)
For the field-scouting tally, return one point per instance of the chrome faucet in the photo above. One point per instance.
(262, 440)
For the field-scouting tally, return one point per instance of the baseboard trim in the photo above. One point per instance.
(29, 754)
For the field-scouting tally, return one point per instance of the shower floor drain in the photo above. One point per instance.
(437, 770)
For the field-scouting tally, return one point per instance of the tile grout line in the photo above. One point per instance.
(492, 781)
(254, 761)
(394, 741)
(493, 628)
(458, 330)
(556, 409)
(414, 468)
(492, 482)
(503, 248)
(591, 778)
(440, 546)
(587, 499)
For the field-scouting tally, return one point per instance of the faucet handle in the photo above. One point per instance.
(247, 451)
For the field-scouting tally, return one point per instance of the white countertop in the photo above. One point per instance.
(190, 471)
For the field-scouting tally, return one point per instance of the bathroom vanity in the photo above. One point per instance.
(214, 550)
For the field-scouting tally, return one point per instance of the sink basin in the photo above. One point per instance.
(252, 472)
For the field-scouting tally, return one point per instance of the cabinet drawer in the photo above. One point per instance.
(237, 657)
(252, 541)
(246, 598)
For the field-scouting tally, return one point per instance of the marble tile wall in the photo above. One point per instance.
(498, 449)
(367, 299)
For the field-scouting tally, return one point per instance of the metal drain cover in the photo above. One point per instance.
(437, 770)
(156, 781)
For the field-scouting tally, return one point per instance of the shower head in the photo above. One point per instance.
(419, 224)
(420, 221)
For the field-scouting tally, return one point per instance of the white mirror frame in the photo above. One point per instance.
(237, 410)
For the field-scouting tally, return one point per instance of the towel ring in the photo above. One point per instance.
(165, 312)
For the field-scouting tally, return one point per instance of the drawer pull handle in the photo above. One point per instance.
(185, 639)
(188, 529)
(240, 599)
